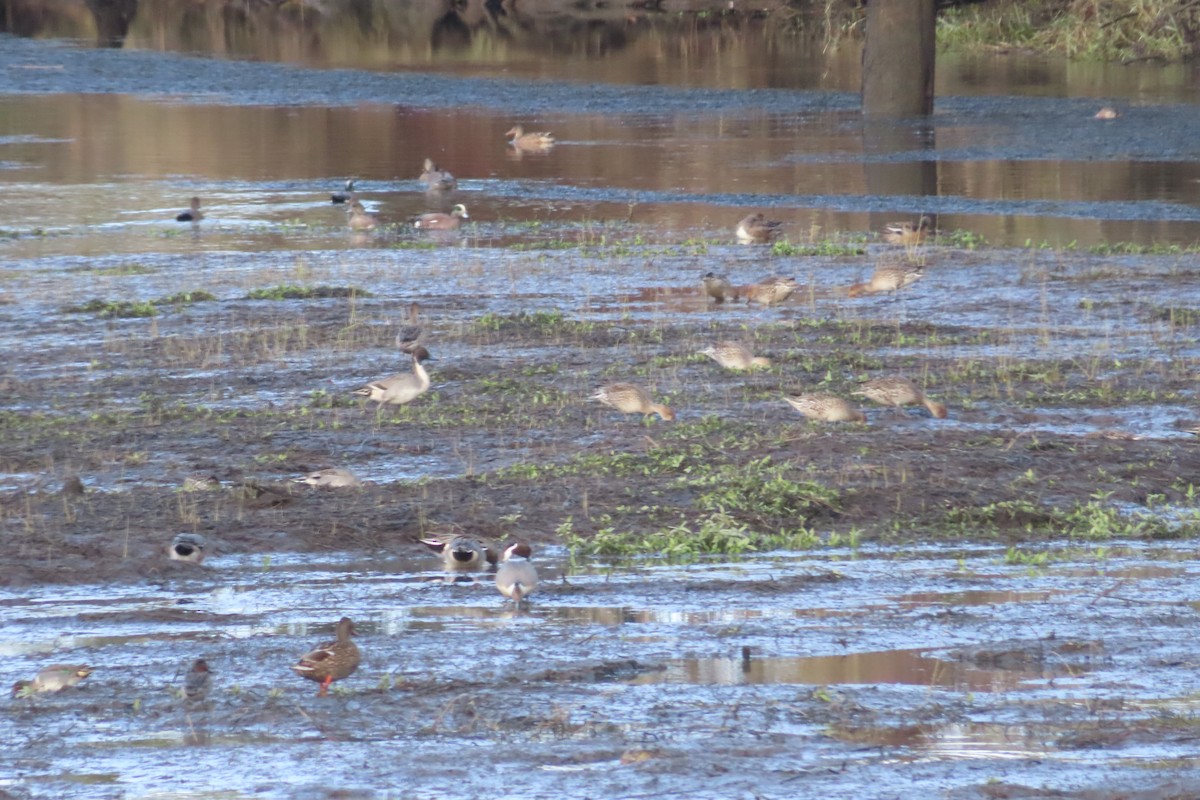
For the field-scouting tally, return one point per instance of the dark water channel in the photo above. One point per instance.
(865, 672)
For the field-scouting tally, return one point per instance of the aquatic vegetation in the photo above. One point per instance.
(293, 292)
(1084, 29)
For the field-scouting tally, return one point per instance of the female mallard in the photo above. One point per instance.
(358, 218)
(332, 661)
(437, 180)
(629, 398)
(897, 391)
(825, 407)
(887, 279)
(735, 355)
(717, 287)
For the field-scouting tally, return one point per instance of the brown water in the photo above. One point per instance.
(678, 124)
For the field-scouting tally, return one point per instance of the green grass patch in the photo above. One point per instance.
(537, 323)
(713, 534)
(114, 308)
(1161, 30)
(292, 292)
(827, 247)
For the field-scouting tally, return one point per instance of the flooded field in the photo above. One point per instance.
(735, 603)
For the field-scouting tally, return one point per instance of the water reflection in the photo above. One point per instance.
(896, 666)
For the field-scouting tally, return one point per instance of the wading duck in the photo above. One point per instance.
(334, 478)
(332, 661)
(460, 553)
(197, 681)
(629, 398)
(825, 407)
(53, 678)
(717, 287)
(398, 389)
(906, 233)
(516, 577)
(887, 279)
(770, 291)
(187, 547)
(897, 391)
(735, 355)
(192, 214)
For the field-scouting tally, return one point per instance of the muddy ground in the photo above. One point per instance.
(992, 605)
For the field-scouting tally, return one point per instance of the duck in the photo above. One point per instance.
(1107, 113)
(334, 478)
(757, 229)
(197, 681)
(533, 141)
(906, 233)
(437, 221)
(344, 196)
(358, 218)
(825, 407)
(193, 213)
(629, 398)
(735, 355)
(772, 290)
(887, 279)
(187, 547)
(516, 577)
(899, 391)
(437, 180)
(331, 661)
(461, 553)
(717, 287)
(53, 678)
(200, 483)
(398, 389)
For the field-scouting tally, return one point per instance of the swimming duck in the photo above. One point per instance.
(400, 388)
(460, 553)
(187, 547)
(197, 681)
(437, 221)
(437, 180)
(906, 233)
(1107, 113)
(358, 218)
(770, 291)
(53, 678)
(516, 577)
(629, 398)
(735, 355)
(887, 279)
(192, 214)
(825, 407)
(533, 141)
(331, 661)
(344, 196)
(897, 391)
(756, 228)
(717, 287)
(334, 478)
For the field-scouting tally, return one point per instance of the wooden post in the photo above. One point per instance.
(898, 58)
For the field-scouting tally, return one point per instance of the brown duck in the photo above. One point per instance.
(331, 661)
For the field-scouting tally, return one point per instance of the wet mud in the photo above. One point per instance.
(995, 604)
